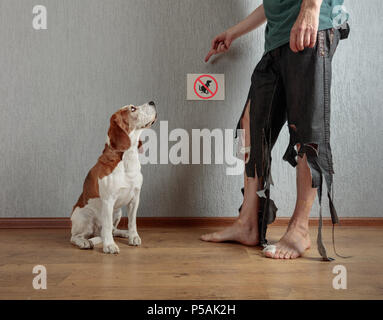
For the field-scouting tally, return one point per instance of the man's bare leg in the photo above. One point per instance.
(245, 229)
(296, 240)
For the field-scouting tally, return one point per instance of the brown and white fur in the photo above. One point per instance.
(115, 181)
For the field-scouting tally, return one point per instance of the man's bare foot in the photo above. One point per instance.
(242, 232)
(292, 245)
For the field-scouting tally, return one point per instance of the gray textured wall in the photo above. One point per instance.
(59, 86)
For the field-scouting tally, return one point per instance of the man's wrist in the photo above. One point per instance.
(313, 5)
(233, 32)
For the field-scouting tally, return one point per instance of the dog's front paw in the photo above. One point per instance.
(111, 248)
(82, 243)
(85, 244)
(134, 239)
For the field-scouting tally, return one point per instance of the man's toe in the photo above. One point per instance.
(204, 237)
(276, 254)
(294, 255)
(209, 237)
(270, 251)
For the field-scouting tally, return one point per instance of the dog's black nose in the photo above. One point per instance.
(151, 103)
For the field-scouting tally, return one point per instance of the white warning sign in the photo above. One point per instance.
(205, 87)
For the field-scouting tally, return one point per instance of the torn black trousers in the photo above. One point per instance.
(293, 87)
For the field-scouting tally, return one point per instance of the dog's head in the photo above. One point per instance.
(128, 119)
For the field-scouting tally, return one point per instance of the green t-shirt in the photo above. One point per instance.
(282, 14)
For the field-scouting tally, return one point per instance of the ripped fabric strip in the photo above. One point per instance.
(317, 182)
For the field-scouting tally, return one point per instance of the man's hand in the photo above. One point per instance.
(304, 32)
(220, 44)
(223, 41)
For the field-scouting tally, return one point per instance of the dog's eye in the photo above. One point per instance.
(132, 108)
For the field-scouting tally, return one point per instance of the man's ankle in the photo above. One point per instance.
(299, 224)
(248, 222)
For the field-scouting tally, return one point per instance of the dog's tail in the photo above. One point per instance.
(95, 241)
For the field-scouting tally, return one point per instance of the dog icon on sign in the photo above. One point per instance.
(204, 88)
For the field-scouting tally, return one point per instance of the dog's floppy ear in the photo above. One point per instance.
(118, 132)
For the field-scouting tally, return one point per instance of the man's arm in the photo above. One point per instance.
(250, 23)
(304, 32)
(222, 42)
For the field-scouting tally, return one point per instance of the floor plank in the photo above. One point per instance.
(173, 264)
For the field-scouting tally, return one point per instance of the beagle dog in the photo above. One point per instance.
(115, 181)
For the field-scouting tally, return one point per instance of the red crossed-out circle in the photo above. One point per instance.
(198, 81)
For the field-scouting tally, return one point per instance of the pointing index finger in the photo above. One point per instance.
(210, 54)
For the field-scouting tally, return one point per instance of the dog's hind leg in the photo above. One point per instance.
(82, 229)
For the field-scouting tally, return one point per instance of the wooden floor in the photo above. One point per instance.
(173, 264)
